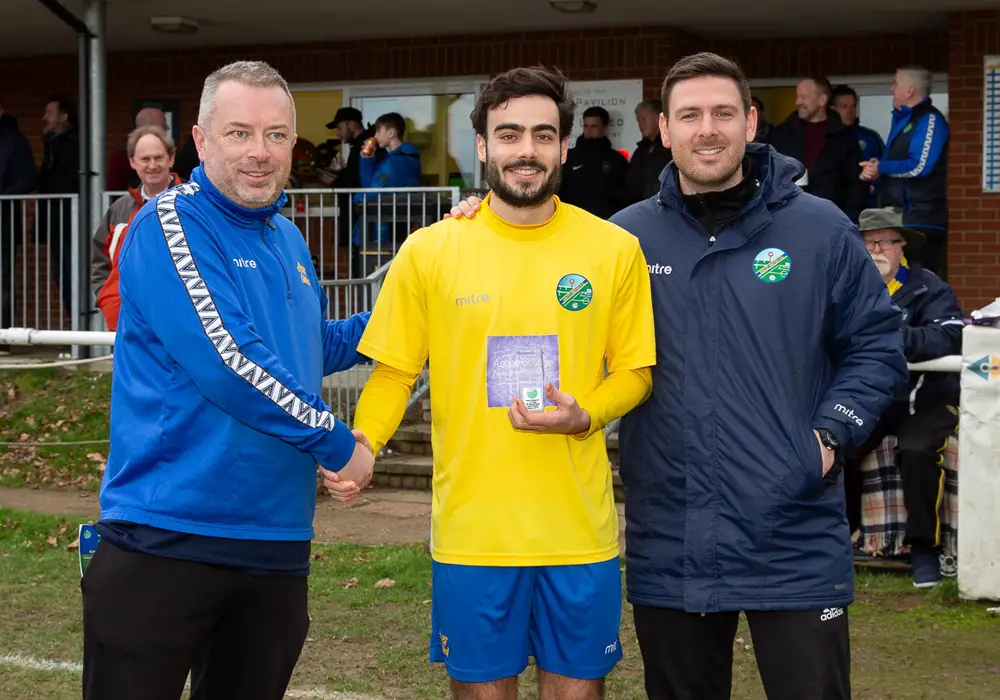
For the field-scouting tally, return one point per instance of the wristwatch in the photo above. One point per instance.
(828, 439)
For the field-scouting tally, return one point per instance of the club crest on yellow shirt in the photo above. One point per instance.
(303, 275)
(574, 292)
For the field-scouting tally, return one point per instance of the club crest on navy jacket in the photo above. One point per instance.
(781, 326)
(217, 422)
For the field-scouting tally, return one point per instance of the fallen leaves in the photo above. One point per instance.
(350, 583)
(385, 583)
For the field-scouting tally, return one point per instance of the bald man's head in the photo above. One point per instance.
(151, 116)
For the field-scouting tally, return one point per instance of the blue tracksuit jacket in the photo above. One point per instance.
(217, 423)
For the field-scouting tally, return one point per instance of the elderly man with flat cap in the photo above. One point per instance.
(925, 412)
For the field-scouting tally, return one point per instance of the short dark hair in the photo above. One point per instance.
(653, 105)
(392, 120)
(66, 106)
(598, 112)
(526, 82)
(842, 90)
(823, 84)
(705, 65)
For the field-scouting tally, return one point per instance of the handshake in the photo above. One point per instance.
(346, 484)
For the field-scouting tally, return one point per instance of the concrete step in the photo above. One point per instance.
(415, 439)
(415, 471)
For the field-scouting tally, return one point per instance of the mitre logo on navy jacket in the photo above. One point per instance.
(781, 326)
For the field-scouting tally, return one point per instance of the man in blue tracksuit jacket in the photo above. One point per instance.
(777, 350)
(912, 173)
(217, 421)
(399, 167)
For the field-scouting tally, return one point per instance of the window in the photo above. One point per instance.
(438, 125)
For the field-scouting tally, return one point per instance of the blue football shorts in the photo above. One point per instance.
(486, 621)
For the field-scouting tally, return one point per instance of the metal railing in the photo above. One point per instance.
(40, 261)
(353, 234)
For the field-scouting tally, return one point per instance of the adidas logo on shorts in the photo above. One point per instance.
(831, 614)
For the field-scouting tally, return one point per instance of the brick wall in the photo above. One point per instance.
(974, 238)
(645, 52)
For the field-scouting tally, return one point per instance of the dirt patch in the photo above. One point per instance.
(75, 504)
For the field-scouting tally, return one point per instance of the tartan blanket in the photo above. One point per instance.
(883, 515)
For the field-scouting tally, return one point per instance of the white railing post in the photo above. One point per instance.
(979, 465)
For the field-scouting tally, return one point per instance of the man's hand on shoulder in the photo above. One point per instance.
(568, 418)
(467, 207)
(346, 484)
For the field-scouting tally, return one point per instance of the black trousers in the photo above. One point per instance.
(800, 654)
(148, 620)
(921, 440)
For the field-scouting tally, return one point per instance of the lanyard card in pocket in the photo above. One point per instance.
(89, 539)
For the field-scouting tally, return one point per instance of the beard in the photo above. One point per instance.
(526, 195)
(225, 175)
(884, 266)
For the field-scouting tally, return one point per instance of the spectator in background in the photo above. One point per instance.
(815, 136)
(913, 172)
(347, 122)
(151, 154)
(594, 175)
(650, 156)
(924, 413)
(60, 174)
(121, 174)
(845, 103)
(17, 176)
(764, 127)
(399, 168)
(345, 170)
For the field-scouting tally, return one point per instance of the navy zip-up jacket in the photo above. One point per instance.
(780, 326)
(932, 328)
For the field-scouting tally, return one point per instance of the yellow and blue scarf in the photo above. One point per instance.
(901, 276)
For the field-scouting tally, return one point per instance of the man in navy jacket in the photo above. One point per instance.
(777, 351)
(924, 413)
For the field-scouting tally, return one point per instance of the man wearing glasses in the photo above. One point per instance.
(924, 416)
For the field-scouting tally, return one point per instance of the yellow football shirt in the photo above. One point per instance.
(499, 310)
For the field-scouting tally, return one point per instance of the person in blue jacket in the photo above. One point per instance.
(777, 351)
(912, 173)
(845, 103)
(399, 167)
(924, 413)
(217, 422)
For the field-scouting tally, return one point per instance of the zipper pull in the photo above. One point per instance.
(269, 223)
(711, 241)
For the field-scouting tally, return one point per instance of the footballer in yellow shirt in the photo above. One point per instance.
(519, 312)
